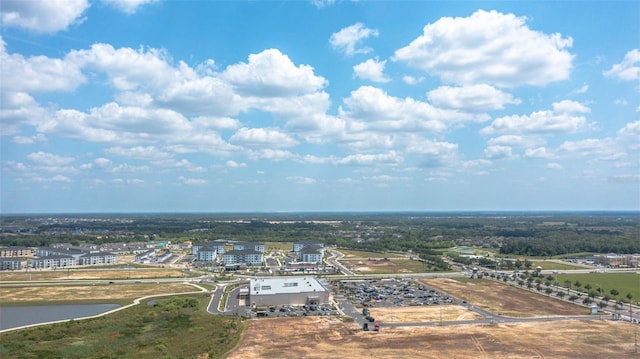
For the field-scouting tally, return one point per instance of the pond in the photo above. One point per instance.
(13, 317)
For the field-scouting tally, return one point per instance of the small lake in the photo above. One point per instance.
(12, 317)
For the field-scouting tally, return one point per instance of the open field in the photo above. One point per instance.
(554, 265)
(349, 254)
(422, 314)
(327, 337)
(112, 273)
(505, 300)
(80, 293)
(379, 265)
(176, 327)
(623, 282)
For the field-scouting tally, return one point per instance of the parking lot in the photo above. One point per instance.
(391, 292)
(276, 311)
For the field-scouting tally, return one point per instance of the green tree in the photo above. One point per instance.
(548, 290)
(578, 285)
(614, 292)
(602, 304)
(587, 287)
(629, 297)
(518, 264)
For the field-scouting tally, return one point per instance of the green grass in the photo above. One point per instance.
(547, 265)
(177, 327)
(285, 246)
(623, 282)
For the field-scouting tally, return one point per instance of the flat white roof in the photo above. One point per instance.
(285, 285)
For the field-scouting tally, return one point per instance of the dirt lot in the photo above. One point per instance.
(384, 266)
(89, 292)
(90, 274)
(502, 299)
(422, 314)
(321, 337)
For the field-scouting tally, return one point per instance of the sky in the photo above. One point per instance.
(284, 106)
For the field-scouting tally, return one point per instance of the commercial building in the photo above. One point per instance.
(287, 291)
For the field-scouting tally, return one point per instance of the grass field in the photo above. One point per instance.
(623, 282)
(348, 253)
(177, 327)
(285, 246)
(552, 265)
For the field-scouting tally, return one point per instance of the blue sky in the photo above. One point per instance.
(242, 106)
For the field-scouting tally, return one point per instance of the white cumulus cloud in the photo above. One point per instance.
(489, 47)
(128, 6)
(566, 117)
(271, 73)
(44, 16)
(261, 137)
(372, 70)
(349, 37)
(628, 69)
(471, 98)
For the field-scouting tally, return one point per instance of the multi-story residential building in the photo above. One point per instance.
(12, 263)
(53, 261)
(207, 254)
(242, 256)
(311, 254)
(15, 251)
(297, 246)
(98, 258)
(218, 246)
(259, 247)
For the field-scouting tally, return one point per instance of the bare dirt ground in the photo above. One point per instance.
(89, 292)
(397, 265)
(423, 314)
(325, 337)
(505, 300)
(90, 274)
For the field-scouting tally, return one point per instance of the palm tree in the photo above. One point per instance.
(587, 287)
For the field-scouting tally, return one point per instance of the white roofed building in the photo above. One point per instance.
(287, 291)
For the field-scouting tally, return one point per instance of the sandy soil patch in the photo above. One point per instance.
(506, 300)
(61, 274)
(331, 338)
(90, 292)
(384, 266)
(422, 314)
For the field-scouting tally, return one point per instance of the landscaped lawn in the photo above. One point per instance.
(622, 282)
(177, 327)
